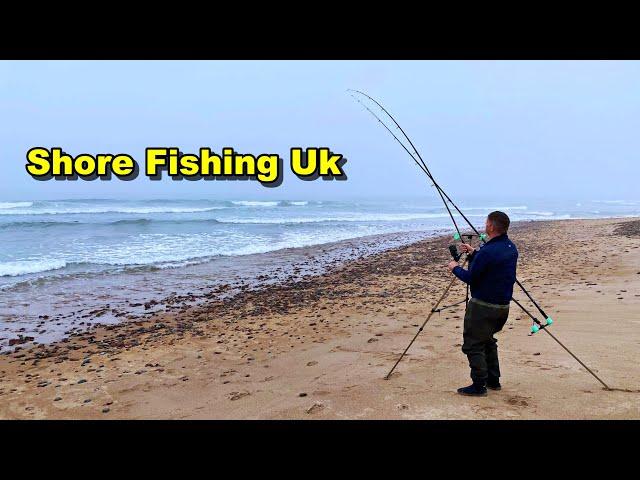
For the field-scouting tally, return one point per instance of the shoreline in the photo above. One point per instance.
(69, 304)
(348, 322)
(228, 275)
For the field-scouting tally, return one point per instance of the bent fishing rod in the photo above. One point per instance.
(417, 158)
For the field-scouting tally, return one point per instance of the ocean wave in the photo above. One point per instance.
(254, 203)
(552, 216)
(356, 217)
(539, 214)
(145, 221)
(100, 210)
(7, 205)
(133, 221)
(151, 251)
(271, 203)
(24, 267)
(626, 203)
(164, 253)
(38, 224)
(128, 221)
(489, 209)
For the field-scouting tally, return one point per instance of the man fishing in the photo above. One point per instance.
(491, 275)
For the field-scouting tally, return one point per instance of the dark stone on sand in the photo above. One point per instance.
(303, 394)
(237, 395)
(82, 380)
(105, 410)
(20, 340)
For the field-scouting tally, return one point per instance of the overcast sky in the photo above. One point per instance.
(497, 129)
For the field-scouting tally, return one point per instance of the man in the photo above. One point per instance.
(491, 275)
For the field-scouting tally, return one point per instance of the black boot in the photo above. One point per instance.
(494, 384)
(473, 390)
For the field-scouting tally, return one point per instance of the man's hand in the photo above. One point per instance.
(466, 248)
(452, 265)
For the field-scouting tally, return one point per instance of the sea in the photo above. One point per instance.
(68, 264)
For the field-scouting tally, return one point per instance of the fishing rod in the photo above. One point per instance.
(443, 195)
(417, 158)
(541, 327)
(433, 310)
(421, 163)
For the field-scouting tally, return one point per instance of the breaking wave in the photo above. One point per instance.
(7, 205)
(24, 267)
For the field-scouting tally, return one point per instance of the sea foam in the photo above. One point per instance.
(24, 267)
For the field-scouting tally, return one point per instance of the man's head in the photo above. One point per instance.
(497, 224)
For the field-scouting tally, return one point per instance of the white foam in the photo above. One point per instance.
(626, 203)
(352, 217)
(252, 203)
(6, 205)
(175, 250)
(24, 267)
(519, 207)
(539, 214)
(95, 210)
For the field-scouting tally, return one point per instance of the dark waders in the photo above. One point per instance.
(481, 321)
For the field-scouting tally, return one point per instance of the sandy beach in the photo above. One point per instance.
(319, 348)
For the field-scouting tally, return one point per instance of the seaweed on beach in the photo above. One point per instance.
(628, 229)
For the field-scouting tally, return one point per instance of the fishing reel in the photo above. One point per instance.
(537, 326)
(482, 236)
(454, 252)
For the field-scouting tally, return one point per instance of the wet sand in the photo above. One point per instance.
(48, 309)
(319, 348)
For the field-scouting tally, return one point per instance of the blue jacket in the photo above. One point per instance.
(492, 271)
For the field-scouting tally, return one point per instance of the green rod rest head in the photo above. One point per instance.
(549, 321)
(456, 236)
(483, 236)
(534, 328)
